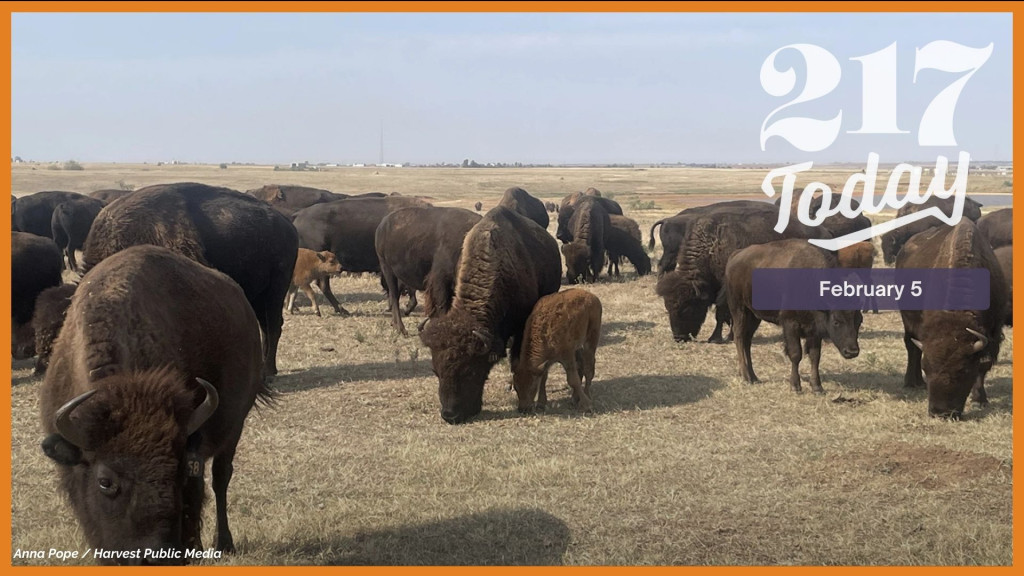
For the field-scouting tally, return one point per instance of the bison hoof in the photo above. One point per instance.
(819, 390)
(225, 544)
(717, 340)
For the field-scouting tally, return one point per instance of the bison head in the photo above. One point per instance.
(953, 364)
(577, 262)
(462, 353)
(120, 448)
(687, 302)
(328, 263)
(842, 327)
(890, 247)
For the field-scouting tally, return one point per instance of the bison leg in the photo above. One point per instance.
(411, 305)
(542, 389)
(913, 378)
(978, 395)
(791, 338)
(308, 291)
(579, 396)
(745, 325)
(391, 287)
(814, 353)
(290, 305)
(72, 263)
(324, 284)
(192, 519)
(222, 471)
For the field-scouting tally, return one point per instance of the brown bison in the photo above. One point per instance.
(418, 248)
(568, 206)
(551, 207)
(311, 267)
(584, 256)
(563, 328)
(623, 238)
(508, 262)
(51, 306)
(956, 348)
(108, 195)
(519, 200)
(893, 241)
(70, 225)
(155, 370)
(1004, 254)
(675, 228)
(839, 326)
(290, 199)
(997, 227)
(237, 234)
(479, 206)
(36, 265)
(347, 229)
(34, 213)
(695, 282)
(837, 224)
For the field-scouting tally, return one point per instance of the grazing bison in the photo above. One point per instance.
(290, 199)
(956, 348)
(51, 306)
(36, 264)
(840, 326)
(418, 248)
(108, 195)
(893, 240)
(563, 328)
(693, 285)
(155, 370)
(347, 228)
(568, 206)
(479, 206)
(237, 234)
(34, 213)
(623, 238)
(507, 263)
(584, 256)
(859, 255)
(837, 224)
(997, 227)
(551, 207)
(70, 225)
(675, 228)
(1004, 255)
(311, 267)
(519, 200)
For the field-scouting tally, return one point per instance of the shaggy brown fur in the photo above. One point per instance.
(584, 256)
(311, 267)
(563, 328)
(142, 326)
(507, 263)
(894, 240)
(859, 255)
(953, 367)
(290, 199)
(1004, 254)
(35, 266)
(997, 227)
(520, 201)
(841, 326)
(51, 307)
(568, 207)
(70, 225)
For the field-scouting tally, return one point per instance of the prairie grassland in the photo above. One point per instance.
(681, 463)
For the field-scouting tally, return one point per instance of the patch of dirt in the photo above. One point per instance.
(930, 467)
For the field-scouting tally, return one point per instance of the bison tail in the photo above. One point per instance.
(650, 244)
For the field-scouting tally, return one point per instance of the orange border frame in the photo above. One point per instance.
(1014, 8)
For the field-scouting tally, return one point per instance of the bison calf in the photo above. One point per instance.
(841, 326)
(564, 327)
(51, 306)
(311, 267)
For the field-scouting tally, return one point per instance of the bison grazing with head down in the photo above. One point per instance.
(35, 266)
(507, 263)
(840, 326)
(70, 225)
(623, 238)
(584, 256)
(237, 234)
(568, 207)
(290, 199)
(34, 213)
(418, 248)
(893, 241)
(956, 348)
(519, 200)
(675, 228)
(155, 370)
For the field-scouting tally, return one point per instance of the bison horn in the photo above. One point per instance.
(205, 410)
(918, 344)
(982, 340)
(65, 427)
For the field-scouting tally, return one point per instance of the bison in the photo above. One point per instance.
(675, 228)
(108, 195)
(508, 262)
(36, 265)
(623, 238)
(568, 206)
(551, 207)
(563, 328)
(155, 370)
(837, 224)
(311, 267)
(1004, 254)
(347, 228)
(840, 326)
(237, 234)
(70, 225)
(51, 306)
(479, 206)
(34, 213)
(893, 240)
(519, 200)
(956, 348)
(584, 256)
(418, 248)
(290, 199)
(997, 227)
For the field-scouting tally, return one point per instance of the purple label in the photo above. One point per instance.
(870, 289)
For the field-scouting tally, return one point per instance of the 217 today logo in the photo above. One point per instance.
(879, 81)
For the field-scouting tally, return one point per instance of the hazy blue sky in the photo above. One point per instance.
(559, 88)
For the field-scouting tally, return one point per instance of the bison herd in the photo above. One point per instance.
(153, 359)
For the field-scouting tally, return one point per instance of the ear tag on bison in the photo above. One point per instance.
(194, 465)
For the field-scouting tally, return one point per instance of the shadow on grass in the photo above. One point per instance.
(614, 332)
(28, 365)
(889, 384)
(325, 376)
(500, 537)
(891, 335)
(640, 392)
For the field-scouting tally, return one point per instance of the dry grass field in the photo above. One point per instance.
(681, 462)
